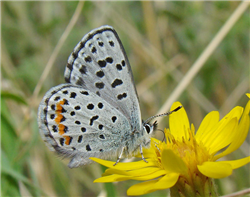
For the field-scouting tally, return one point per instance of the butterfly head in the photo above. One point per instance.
(149, 128)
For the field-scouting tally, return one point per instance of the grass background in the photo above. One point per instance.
(162, 41)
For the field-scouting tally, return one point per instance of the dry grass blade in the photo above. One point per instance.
(204, 56)
(236, 94)
(239, 193)
(57, 49)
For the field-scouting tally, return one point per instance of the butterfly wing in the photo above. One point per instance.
(99, 63)
(77, 123)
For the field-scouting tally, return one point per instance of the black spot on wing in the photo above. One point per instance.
(54, 128)
(88, 59)
(90, 106)
(93, 119)
(109, 60)
(99, 85)
(121, 96)
(63, 119)
(100, 126)
(75, 55)
(100, 43)
(102, 63)
(63, 110)
(52, 116)
(45, 122)
(111, 43)
(53, 107)
(45, 110)
(79, 139)
(62, 141)
(82, 44)
(100, 73)
(123, 63)
(98, 93)
(73, 95)
(100, 105)
(114, 118)
(84, 93)
(77, 107)
(67, 79)
(66, 129)
(66, 102)
(93, 50)
(83, 69)
(80, 82)
(77, 122)
(57, 98)
(116, 82)
(46, 101)
(88, 148)
(69, 66)
(118, 67)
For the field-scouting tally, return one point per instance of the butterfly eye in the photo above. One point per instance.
(148, 128)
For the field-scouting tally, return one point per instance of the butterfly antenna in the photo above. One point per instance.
(164, 114)
(164, 136)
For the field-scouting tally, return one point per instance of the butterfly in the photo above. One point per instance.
(96, 113)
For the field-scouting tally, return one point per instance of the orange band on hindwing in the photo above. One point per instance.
(59, 116)
(67, 140)
(61, 129)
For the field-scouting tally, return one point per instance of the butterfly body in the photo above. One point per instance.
(96, 113)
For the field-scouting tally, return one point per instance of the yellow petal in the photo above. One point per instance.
(237, 163)
(165, 182)
(217, 130)
(120, 177)
(208, 123)
(224, 137)
(125, 166)
(136, 172)
(140, 188)
(112, 178)
(150, 186)
(241, 133)
(150, 176)
(172, 163)
(178, 122)
(215, 169)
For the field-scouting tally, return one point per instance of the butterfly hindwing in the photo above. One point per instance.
(78, 123)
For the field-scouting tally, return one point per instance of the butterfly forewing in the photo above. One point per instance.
(99, 63)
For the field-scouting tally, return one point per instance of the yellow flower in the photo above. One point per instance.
(186, 162)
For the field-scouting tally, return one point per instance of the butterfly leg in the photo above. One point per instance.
(142, 154)
(119, 158)
(157, 146)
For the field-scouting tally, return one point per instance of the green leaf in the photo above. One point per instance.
(12, 96)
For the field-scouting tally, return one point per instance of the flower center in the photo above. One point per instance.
(191, 152)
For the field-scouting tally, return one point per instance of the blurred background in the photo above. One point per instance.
(162, 41)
